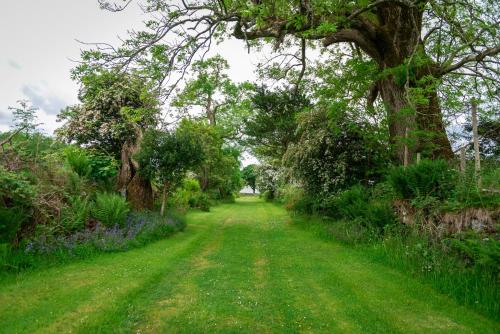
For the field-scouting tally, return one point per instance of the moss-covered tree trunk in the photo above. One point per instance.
(131, 184)
(396, 42)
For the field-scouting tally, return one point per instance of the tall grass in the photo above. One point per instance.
(471, 284)
(408, 250)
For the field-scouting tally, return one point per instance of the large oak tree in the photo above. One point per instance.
(415, 44)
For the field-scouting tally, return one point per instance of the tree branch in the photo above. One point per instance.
(469, 59)
(355, 36)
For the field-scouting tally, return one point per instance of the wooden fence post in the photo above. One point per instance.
(406, 158)
(476, 144)
(462, 160)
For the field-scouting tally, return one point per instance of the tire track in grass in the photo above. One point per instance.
(132, 312)
(242, 268)
(226, 298)
(169, 299)
(398, 301)
(61, 306)
(320, 310)
(139, 311)
(285, 312)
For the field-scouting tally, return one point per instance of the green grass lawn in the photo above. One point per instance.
(241, 268)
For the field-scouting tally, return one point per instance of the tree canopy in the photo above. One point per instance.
(271, 125)
(166, 155)
(113, 105)
(416, 46)
(249, 175)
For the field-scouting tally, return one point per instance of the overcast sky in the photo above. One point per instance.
(39, 42)
(39, 46)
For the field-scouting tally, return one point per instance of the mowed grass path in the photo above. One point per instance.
(241, 268)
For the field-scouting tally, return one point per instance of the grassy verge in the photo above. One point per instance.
(47, 249)
(411, 252)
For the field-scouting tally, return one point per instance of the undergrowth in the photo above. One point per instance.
(441, 263)
(48, 249)
(464, 265)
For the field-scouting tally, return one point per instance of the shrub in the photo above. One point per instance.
(11, 220)
(290, 195)
(103, 166)
(490, 171)
(479, 249)
(428, 178)
(379, 214)
(189, 195)
(191, 185)
(357, 204)
(467, 194)
(334, 151)
(203, 202)
(110, 209)
(181, 200)
(229, 198)
(15, 190)
(268, 195)
(352, 203)
(16, 200)
(75, 215)
(47, 248)
(78, 160)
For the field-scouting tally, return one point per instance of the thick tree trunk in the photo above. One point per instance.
(140, 193)
(419, 126)
(434, 141)
(131, 184)
(421, 130)
(401, 120)
(203, 178)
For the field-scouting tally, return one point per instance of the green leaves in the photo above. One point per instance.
(112, 104)
(167, 155)
(249, 175)
(110, 209)
(323, 29)
(271, 126)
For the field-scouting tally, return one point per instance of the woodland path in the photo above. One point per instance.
(241, 268)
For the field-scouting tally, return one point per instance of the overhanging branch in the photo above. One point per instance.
(469, 59)
(354, 36)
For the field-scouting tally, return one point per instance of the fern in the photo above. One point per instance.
(76, 214)
(110, 209)
(78, 160)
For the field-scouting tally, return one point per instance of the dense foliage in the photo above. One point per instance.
(362, 131)
(332, 153)
(271, 126)
(249, 175)
(165, 156)
(112, 105)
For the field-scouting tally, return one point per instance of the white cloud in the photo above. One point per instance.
(41, 98)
